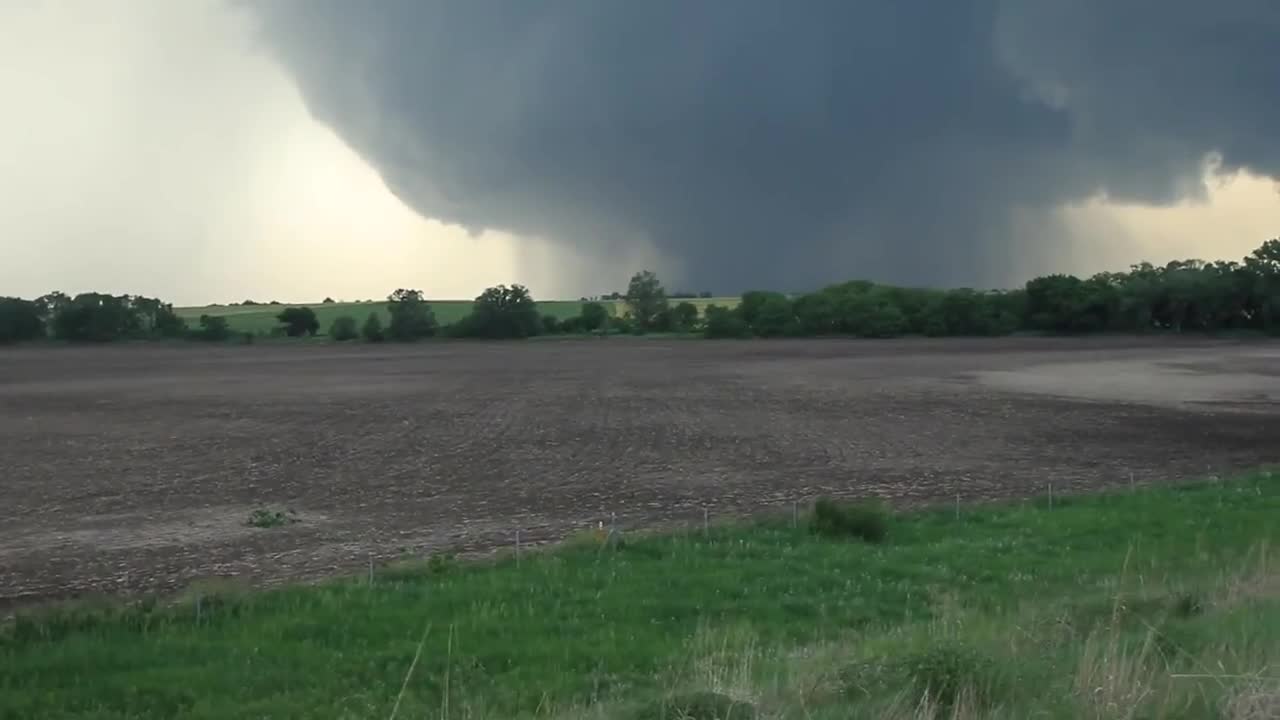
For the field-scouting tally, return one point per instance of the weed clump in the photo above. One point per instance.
(869, 523)
(261, 518)
(704, 705)
(948, 673)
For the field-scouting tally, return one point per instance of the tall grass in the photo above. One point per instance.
(1160, 603)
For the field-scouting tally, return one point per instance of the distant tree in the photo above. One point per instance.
(704, 294)
(646, 298)
(344, 328)
(49, 304)
(19, 320)
(96, 317)
(299, 321)
(722, 322)
(684, 316)
(503, 312)
(411, 316)
(156, 318)
(213, 328)
(372, 329)
(594, 316)
(775, 317)
(816, 313)
(327, 301)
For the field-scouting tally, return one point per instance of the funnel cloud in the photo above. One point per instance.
(762, 143)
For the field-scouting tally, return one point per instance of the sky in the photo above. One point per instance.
(209, 151)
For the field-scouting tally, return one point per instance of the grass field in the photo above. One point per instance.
(1156, 603)
(261, 319)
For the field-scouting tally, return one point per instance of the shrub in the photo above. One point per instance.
(865, 522)
(622, 325)
(722, 322)
(344, 329)
(299, 321)
(551, 325)
(774, 317)
(213, 328)
(271, 518)
(593, 316)
(372, 330)
(684, 316)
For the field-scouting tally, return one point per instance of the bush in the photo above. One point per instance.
(344, 329)
(551, 325)
(372, 330)
(213, 328)
(19, 320)
(593, 316)
(722, 322)
(865, 522)
(299, 321)
(684, 317)
(623, 325)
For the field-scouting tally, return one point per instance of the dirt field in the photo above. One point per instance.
(136, 467)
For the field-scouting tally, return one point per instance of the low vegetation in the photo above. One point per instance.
(263, 518)
(1156, 603)
(1180, 297)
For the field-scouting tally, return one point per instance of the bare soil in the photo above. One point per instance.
(135, 468)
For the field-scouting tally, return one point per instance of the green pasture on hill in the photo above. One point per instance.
(260, 319)
(1155, 603)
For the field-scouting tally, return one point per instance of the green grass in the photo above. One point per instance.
(261, 319)
(1159, 600)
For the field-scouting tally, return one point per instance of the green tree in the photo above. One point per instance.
(411, 316)
(594, 316)
(299, 321)
(213, 328)
(551, 325)
(646, 299)
(96, 317)
(344, 329)
(684, 316)
(504, 312)
(722, 322)
(372, 329)
(50, 303)
(19, 320)
(773, 316)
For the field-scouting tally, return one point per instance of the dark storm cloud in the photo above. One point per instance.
(767, 143)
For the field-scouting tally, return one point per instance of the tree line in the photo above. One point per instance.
(1181, 296)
